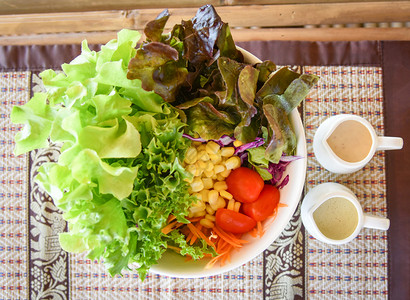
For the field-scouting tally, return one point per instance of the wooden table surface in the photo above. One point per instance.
(57, 22)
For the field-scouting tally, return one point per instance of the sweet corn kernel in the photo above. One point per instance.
(225, 194)
(212, 147)
(225, 173)
(220, 186)
(209, 210)
(214, 205)
(219, 177)
(208, 182)
(219, 168)
(221, 203)
(209, 173)
(215, 158)
(213, 196)
(237, 206)
(197, 207)
(231, 204)
(197, 185)
(191, 155)
(201, 165)
(209, 166)
(206, 223)
(201, 147)
(198, 195)
(192, 169)
(233, 163)
(198, 214)
(227, 151)
(203, 155)
(237, 143)
(204, 195)
(210, 217)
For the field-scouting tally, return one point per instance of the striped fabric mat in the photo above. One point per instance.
(296, 266)
(359, 268)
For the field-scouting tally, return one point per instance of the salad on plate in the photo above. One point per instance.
(175, 143)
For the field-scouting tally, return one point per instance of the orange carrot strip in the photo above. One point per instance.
(261, 232)
(282, 205)
(200, 234)
(231, 239)
(168, 228)
(254, 233)
(227, 256)
(225, 237)
(176, 249)
(190, 235)
(193, 220)
(222, 246)
(214, 260)
(171, 218)
(193, 239)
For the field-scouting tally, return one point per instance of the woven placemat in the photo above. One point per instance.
(357, 269)
(295, 266)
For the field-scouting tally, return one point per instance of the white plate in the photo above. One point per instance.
(174, 265)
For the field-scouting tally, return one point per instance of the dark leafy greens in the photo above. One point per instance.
(221, 94)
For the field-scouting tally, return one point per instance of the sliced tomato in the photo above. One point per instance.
(264, 206)
(244, 184)
(234, 222)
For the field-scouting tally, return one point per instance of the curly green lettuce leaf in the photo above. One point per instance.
(119, 175)
(37, 118)
(97, 226)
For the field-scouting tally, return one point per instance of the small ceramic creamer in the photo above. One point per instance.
(345, 143)
(332, 214)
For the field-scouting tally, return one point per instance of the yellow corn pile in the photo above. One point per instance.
(210, 164)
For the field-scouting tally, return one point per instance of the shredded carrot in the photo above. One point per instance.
(228, 237)
(176, 249)
(215, 259)
(225, 242)
(171, 218)
(168, 228)
(188, 258)
(193, 220)
(193, 239)
(260, 229)
(200, 234)
(189, 237)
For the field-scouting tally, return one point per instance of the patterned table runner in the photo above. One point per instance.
(295, 266)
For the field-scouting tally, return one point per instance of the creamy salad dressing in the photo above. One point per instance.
(351, 141)
(336, 218)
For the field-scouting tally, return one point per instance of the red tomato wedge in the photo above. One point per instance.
(264, 206)
(244, 184)
(234, 222)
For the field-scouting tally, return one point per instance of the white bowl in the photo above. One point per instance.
(174, 265)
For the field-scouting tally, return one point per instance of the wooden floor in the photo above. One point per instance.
(54, 22)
